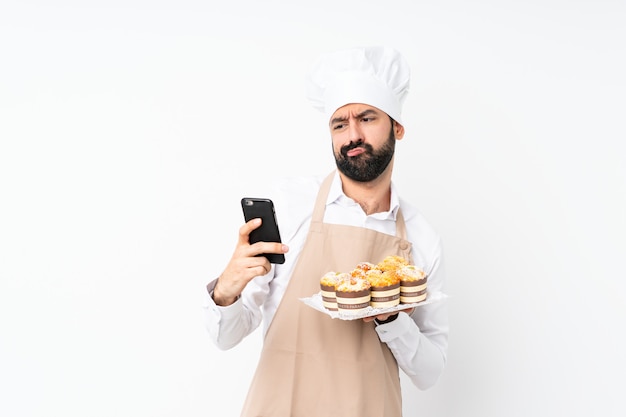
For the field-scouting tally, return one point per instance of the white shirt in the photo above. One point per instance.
(418, 342)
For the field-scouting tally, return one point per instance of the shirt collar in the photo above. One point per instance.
(337, 196)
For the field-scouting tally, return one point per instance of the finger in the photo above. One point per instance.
(380, 317)
(233, 282)
(244, 231)
(268, 247)
(256, 266)
(257, 271)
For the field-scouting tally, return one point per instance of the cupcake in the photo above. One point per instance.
(353, 295)
(412, 284)
(384, 288)
(328, 284)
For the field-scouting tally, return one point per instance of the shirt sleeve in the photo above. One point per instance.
(419, 342)
(229, 325)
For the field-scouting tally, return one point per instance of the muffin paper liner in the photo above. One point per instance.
(315, 301)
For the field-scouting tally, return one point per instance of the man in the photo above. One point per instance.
(312, 365)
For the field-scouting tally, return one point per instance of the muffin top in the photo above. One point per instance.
(353, 284)
(411, 273)
(378, 278)
(391, 263)
(331, 279)
(361, 269)
(390, 271)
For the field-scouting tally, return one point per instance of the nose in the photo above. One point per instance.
(355, 132)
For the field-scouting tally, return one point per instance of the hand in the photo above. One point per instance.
(383, 317)
(244, 265)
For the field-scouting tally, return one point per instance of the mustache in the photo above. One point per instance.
(352, 145)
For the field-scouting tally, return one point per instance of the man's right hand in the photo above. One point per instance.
(244, 265)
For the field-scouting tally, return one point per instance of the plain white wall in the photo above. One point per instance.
(129, 130)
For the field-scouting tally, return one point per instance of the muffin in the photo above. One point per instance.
(384, 288)
(412, 284)
(353, 295)
(328, 284)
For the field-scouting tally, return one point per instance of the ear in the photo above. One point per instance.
(398, 130)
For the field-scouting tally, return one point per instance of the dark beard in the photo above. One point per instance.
(368, 165)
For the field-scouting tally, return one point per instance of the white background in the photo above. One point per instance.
(130, 130)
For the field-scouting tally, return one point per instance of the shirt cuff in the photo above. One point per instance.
(394, 329)
(221, 312)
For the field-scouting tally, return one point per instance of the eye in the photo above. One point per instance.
(338, 126)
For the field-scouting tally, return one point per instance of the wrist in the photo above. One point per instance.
(219, 298)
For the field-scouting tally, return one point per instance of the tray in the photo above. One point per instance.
(315, 301)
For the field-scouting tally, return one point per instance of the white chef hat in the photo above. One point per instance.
(378, 76)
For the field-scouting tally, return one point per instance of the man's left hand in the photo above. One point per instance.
(383, 317)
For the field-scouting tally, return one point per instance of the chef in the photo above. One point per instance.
(311, 364)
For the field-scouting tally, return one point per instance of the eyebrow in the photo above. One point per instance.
(358, 116)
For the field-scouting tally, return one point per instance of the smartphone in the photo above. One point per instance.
(263, 208)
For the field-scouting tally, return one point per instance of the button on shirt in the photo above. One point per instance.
(418, 342)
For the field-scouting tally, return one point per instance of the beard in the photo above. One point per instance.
(368, 165)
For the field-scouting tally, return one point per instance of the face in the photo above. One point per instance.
(364, 139)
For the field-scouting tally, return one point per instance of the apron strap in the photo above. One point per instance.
(400, 225)
(322, 195)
